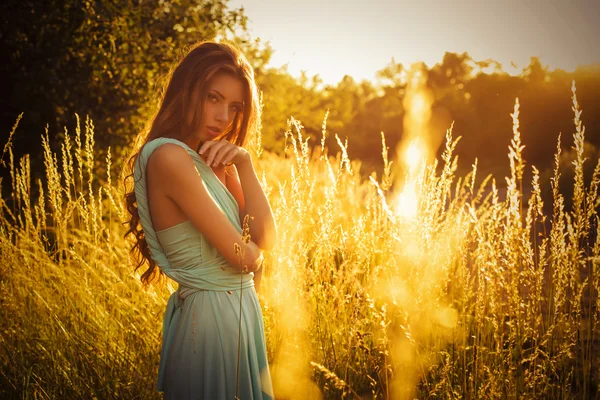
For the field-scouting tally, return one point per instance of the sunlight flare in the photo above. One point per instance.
(413, 155)
(413, 151)
(407, 202)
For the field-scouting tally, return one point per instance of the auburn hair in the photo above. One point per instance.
(190, 77)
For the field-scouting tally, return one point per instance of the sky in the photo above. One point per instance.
(333, 38)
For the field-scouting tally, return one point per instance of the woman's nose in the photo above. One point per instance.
(222, 114)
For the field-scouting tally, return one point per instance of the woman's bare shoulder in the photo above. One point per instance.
(169, 156)
(171, 165)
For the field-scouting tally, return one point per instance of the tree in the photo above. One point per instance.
(285, 97)
(106, 59)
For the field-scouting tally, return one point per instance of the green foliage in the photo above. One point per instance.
(283, 96)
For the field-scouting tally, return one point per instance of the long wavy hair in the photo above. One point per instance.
(190, 77)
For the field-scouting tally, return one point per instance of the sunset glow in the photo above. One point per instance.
(413, 151)
(338, 38)
(407, 202)
(413, 156)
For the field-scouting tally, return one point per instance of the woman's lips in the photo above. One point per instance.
(213, 131)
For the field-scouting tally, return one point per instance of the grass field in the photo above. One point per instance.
(472, 295)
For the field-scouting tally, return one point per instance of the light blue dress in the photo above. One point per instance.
(201, 327)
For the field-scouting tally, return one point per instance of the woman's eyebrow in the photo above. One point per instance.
(219, 93)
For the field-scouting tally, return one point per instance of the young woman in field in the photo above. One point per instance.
(193, 185)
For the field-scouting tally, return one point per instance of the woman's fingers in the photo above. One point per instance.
(211, 148)
(224, 154)
(205, 146)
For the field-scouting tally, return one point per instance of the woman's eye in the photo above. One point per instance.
(236, 109)
(212, 98)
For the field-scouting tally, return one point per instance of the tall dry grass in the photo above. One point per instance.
(476, 295)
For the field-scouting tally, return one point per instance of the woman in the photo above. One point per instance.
(194, 184)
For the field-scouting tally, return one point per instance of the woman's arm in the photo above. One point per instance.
(172, 166)
(245, 187)
(261, 224)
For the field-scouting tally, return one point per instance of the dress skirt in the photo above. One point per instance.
(202, 355)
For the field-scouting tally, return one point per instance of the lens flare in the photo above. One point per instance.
(407, 202)
(413, 156)
(413, 150)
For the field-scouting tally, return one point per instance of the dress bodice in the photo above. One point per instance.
(181, 251)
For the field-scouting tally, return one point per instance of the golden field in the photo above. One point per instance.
(474, 293)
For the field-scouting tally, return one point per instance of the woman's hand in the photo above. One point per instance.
(217, 152)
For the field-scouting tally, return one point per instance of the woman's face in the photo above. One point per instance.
(224, 99)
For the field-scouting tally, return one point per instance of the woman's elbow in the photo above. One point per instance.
(268, 239)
